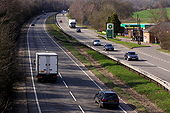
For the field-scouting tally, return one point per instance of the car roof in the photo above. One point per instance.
(107, 92)
(96, 40)
(130, 52)
(108, 44)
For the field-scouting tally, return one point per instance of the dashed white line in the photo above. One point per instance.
(164, 69)
(72, 95)
(71, 58)
(154, 57)
(60, 75)
(158, 67)
(150, 63)
(32, 78)
(81, 70)
(81, 109)
(65, 84)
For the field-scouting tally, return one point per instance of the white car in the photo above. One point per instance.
(96, 43)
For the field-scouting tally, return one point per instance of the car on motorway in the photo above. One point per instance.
(106, 98)
(108, 47)
(78, 30)
(131, 56)
(32, 24)
(61, 21)
(38, 18)
(96, 42)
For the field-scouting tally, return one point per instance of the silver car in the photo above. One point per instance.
(131, 56)
(96, 43)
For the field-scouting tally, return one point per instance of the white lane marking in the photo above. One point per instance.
(154, 57)
(63, 80)
(150, 63)
(80, 69)
(101, 89)
(81, 109)
(65, 84)
(32, 78)
(158, 67)
(164, 69)
(123, 109)
(60, 75)
(71, 58)
(72, 95)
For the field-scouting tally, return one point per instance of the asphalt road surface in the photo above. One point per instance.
(150, 59)
(75, 89)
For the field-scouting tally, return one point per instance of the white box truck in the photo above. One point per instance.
(46, 66)
(72, 23)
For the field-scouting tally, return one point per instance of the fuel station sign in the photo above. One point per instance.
(110, 30)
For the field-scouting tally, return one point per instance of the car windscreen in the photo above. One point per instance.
(97, 41)
(110, 95)
(131, 53)
(109, 45)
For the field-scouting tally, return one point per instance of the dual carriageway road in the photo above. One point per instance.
(151, 60)
(73, 92)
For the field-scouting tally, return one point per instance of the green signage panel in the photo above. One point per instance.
(110, 30)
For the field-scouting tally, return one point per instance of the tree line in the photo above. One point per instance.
(13, 14)
(96, 12)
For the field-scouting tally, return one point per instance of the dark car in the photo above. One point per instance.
(32, 24)
(78, 30)
(131, 56)
(96, 43)
(38, 18)
(107, 98)
(108, 47)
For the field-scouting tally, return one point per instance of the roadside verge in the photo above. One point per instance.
(130, 79)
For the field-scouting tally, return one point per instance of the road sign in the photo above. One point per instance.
(110, 30)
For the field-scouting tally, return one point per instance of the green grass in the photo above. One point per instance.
(123, 36)
(144, 87)
(102, 33)
(146, 15)
(141, 85)
(127, 44)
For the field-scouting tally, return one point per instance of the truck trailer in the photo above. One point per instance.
(46, 66)
(72, 23)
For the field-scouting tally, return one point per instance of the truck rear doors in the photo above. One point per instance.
(48, 65)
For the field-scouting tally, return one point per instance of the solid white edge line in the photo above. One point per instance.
(32, 78)
(79, 68)
(83, 71)
(81, 109)
(122, 109)
(72, 95)
(72, 59)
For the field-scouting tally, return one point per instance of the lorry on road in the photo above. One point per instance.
(72, 23)
(46, 66)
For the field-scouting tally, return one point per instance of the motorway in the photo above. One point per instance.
(74, 90)
(151, 61)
